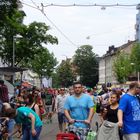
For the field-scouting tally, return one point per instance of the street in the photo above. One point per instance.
(50, 130)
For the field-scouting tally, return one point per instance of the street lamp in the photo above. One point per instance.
(13, 51)
(14, 40)
(65, 56)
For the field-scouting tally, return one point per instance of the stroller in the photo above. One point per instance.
(74, 133)
(66, 136)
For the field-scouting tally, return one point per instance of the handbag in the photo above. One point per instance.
(42, 110)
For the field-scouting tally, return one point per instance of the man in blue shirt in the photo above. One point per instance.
(79, 107)
(129, 113)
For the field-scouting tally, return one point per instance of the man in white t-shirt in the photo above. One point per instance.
(59, 107)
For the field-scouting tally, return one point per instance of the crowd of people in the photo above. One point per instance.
(118, 110)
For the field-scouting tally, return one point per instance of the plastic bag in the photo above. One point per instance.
(91, 135)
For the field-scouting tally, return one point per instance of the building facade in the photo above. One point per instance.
(106, 74)
(137, 26)
(102, 71)
(106, 69)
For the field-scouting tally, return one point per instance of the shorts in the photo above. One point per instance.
(48, 108)
(133, 136)
(61, 118)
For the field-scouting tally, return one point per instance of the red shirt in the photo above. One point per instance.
(4, 93)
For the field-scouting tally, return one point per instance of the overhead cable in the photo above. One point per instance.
(91, 5)
(42, 11)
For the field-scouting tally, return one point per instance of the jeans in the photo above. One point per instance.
(10, 127)
(134, 136)
(27, 134)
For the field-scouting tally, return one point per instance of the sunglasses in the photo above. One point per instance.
(77, 87)
(62, 89)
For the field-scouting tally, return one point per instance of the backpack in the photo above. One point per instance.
(48, 99)
(43, 95)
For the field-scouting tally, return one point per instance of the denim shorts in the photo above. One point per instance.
(61, 118)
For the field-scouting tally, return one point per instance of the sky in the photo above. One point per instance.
(77, 26)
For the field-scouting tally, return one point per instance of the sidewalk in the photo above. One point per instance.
(50, 131)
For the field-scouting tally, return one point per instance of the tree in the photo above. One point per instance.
(65, 74)
(135, 56)
(122, 67)
(43, 64)
(87, 65)
(33, 37)
(55, 80)
(7, 7)
(10, 24)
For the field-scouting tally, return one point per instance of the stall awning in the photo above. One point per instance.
(12, 69)
(26, 84)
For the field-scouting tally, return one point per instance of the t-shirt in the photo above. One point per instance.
(22, 117)
(60, 101)
(79, 108)
(130, 106)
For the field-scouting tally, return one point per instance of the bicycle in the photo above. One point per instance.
(3, 128)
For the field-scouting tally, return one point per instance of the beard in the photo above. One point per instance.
(78, 93)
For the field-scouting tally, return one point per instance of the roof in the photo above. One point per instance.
(12, 69)
(112, 50)
(127, 44)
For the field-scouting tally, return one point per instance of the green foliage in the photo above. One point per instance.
(135, 56)
(55, 80)
(87, 65)
(33, 36)
(44, 63)
(65, 75)
(122, 67)
(10, 24)
(7, 8)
